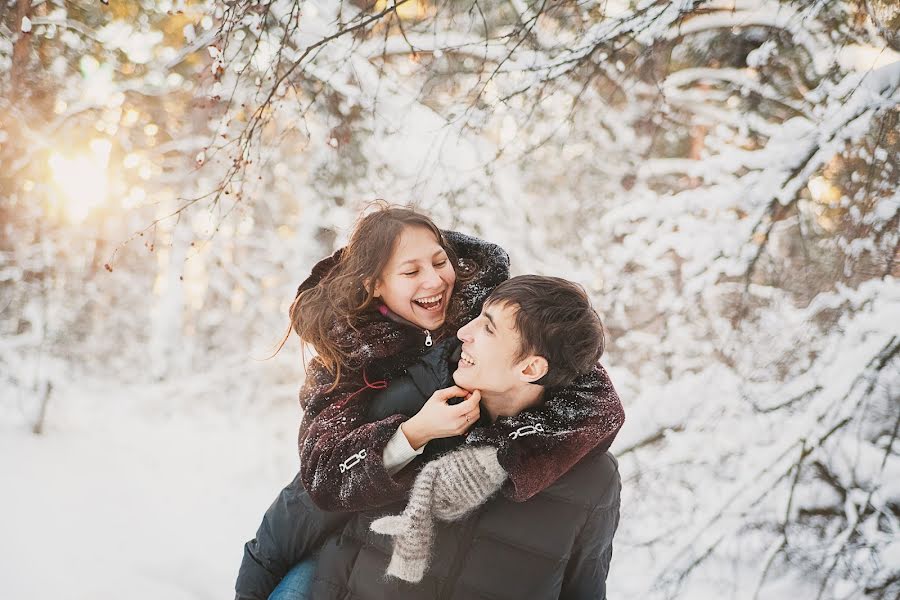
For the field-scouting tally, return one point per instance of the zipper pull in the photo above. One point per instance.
(428, 341)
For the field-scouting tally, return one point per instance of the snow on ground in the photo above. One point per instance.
(116, 500)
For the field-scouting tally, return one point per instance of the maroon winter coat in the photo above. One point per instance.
(341, 453)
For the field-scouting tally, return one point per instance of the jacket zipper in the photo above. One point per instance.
(429, 342)
(466, 539)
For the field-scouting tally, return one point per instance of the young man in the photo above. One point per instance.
(456, 538)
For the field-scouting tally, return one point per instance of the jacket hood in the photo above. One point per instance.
(320, 270)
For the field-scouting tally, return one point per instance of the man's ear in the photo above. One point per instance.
(535, 368)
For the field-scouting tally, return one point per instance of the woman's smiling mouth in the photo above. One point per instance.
(431, 303)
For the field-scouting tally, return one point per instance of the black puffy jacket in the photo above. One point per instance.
(291, 530)
(557, 544)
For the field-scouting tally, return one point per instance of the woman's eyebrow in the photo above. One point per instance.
(415, 260)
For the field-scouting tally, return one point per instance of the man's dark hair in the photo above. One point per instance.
(555, 319)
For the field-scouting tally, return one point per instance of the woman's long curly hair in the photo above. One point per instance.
(347, 292)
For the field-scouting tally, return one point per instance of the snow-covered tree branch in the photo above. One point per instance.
(722, 175)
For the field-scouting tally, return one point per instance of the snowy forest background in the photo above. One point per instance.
(721, 175)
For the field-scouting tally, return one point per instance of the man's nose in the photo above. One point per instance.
(463, 334)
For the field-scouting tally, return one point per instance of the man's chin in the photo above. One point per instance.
(459, 379)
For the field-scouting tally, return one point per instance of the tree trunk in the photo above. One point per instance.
(20, 51)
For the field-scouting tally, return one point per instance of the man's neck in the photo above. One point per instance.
(512, 402)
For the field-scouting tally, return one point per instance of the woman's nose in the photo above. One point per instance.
(432, 279)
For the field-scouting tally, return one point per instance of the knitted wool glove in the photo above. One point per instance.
(446, 488)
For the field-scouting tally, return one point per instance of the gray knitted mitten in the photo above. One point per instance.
(446, 488)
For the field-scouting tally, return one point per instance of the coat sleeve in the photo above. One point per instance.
(540, 444)
(291, 529)
(341, 451)
(588, 564)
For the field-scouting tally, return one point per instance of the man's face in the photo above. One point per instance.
(489, 351)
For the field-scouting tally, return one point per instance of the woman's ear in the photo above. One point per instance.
(535, 368)
(377, 293)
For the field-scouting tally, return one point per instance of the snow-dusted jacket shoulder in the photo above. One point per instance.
(539, 445)
(340, 452)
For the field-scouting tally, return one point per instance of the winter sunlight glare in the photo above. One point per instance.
(81, 180)
(411, 10)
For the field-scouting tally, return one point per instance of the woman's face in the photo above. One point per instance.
(418, 279)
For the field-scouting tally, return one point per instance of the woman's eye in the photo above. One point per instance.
(441, 264)
(411, 273)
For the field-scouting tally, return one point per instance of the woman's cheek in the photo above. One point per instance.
(450, 276)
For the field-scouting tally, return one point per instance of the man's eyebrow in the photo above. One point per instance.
(490, 318)
(415, 260)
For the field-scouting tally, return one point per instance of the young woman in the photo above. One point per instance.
(399, 287)
(372, 311)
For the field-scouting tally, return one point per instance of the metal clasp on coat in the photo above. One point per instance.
(352, 461)
(527, 430)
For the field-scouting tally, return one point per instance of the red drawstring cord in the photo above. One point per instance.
(370, 385)
(375, 385)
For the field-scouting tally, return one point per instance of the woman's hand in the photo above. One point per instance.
(440, 419)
